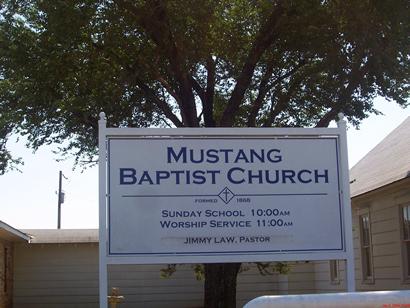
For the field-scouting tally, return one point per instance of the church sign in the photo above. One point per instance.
(201, 195)
(225, 196)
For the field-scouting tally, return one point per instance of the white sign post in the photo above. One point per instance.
(195, 195)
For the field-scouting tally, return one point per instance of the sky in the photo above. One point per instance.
(28, 199)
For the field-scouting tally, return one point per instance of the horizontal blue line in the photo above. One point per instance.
(136, 196)
(256, 195)
(239, 195)
(210, 253)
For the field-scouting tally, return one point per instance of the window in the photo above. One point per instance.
(366, 248)
(5, 272)
(334, 271)
(405, 222)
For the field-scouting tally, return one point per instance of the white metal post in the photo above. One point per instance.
(349, 268)
(103, 285)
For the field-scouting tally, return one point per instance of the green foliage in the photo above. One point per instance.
(269, 268)
(189, 63)
(168, 271)
(264, 268)
(198, 270)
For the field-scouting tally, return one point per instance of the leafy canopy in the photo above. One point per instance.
(193, 63)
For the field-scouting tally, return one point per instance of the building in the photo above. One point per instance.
(380, 191)
(380, 198)
(59, 268)
(8, 237)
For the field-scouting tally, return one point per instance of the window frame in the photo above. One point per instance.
(334, 271)
(6, 270)
(405, 253)
(366, 249)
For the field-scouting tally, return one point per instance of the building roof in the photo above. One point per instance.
(11, 234)
(386, 163)
(48, 236)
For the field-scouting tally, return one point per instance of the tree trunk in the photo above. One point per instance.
(220, 285)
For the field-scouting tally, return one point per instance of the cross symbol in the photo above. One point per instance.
(226, 193)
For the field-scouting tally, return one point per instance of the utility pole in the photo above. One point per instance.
(60, 199)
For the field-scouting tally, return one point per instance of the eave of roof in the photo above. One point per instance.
(386, 163)
(11, 234)
(49, 236)
(391, 187)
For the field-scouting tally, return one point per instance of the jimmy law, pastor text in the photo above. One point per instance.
(225, 240)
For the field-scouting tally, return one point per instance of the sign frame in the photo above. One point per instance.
(339, 133)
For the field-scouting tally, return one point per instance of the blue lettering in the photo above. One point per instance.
(260, 157)
(145, 178)
(201, 158)
(269, 179)
(162, 175)
(255, 176)
(171, 153)
(230, 177)
(226, 152)
(128, 176)
(212, 156)
(288, 174)
(213, 174)
(177, 175)
(199, 177)
(304, 180)
(325, 176)
(241, 156)
(275, 158)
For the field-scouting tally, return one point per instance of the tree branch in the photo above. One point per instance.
(356, 74)
(263, 90)
(169, 89)
(328, 117)
(207, 97)
(158, 27)
(276, 109)
(163, 106)
(208, 106)
(198, 89)
(283, 99)
(150, 94)
(265, 38)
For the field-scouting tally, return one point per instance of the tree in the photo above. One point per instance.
(196, 64)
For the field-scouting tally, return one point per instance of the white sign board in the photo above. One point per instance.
(223, 196)
(194, 195)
